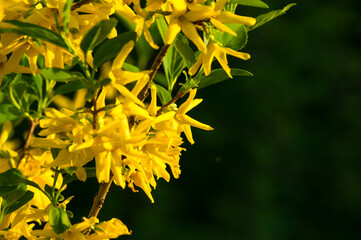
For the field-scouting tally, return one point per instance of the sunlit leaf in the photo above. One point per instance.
(264, 18)
(219, 75)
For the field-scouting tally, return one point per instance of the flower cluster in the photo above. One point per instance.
(53, 50)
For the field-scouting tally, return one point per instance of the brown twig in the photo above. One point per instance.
(95, 112)
(103, 187)
(100, 197)
(79, 4)
(179, 95)
(23, 151)
(157, 62)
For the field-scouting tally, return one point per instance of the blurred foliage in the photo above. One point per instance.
(284, 159)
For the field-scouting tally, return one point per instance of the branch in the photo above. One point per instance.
(95, 112)
(100, 197)
(103, 187)
(157, 62)
(179, 95)
(79, 4)
(23, 151)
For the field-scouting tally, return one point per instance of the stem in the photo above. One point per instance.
(22, 152)
(95, 112)
(100, 197)
(79, 4)
(157, 62)
(179, 95)
(103, 187)
(54, 183)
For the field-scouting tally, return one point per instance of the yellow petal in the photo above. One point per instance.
(152, 108)
(241, 55)
(222, 27)
(208, 58)
(194, 123)
(103, 163)
(173, 29)
(222, 59)
(6, 129)
(184, 107)
(191, 32)
(149, 38)
(47, 143)
(141, 181)
(128, 95)
(228, 17)
(122, 55)
(188, 133)
(193, 70)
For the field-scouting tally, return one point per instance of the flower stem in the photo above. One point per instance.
(103, 187)
(95, 112)
(157, 62)
(179, 95)
(33, 124)
(100, 197)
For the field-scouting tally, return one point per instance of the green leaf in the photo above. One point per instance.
(9, 112)
(69, 170)
(7, 189)
(66, 15)
(111, 47)
(69, 87)
(90, 172)
(104, 82)
(173, 65)
(18, 203)
(97, 34)
(35, 31)
(14, 190)
(31, 183)
(69, 178)
(163, 94)
(183, 48)
(219, 75)
(11, 177)
(162, 26)
(48, 189)
(59, 220)
(60, 75)
(264, 18)
(234, 42)
(130, 68)
(251, 3)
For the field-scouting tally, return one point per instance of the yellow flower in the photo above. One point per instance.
(185, 121)
(142, 23)
(7, 147)
(115, 72)
(5, 4)
(223, 17)
(220, 53)
(109, 229)
(72, 104)
(187, 16)
(33, 168)
(178, 22)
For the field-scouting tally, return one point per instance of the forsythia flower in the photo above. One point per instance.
(102, 231)
(220, 53)
(132, 142)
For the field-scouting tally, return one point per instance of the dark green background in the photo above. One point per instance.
(284, 160)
